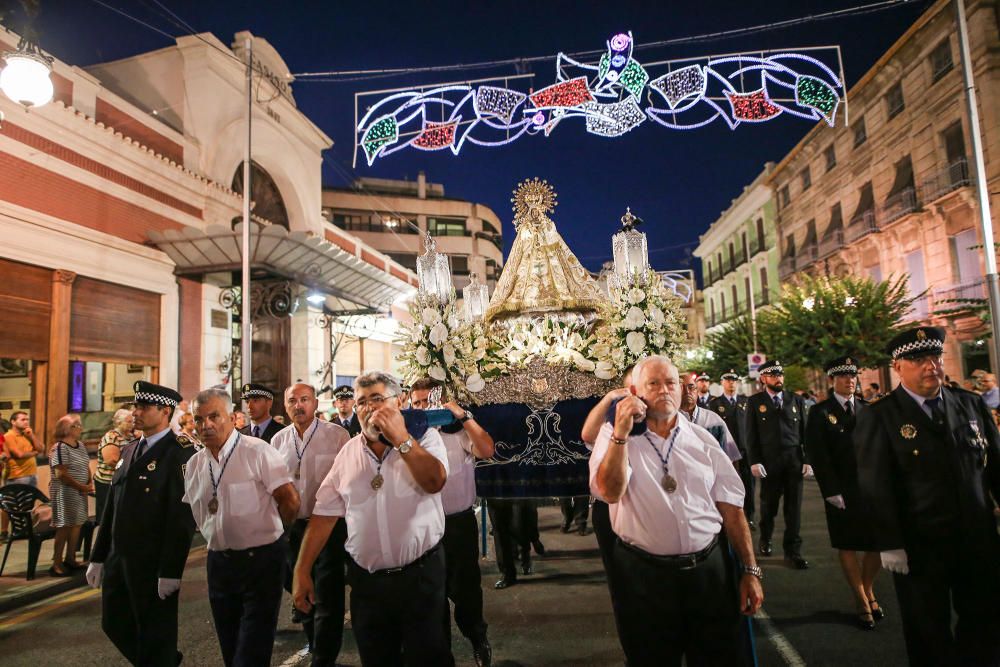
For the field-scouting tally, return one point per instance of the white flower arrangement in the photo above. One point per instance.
(437, 344)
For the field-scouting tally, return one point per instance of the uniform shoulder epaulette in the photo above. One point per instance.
(131, 442)
(185, 441)
(963, 390)
(878, 398)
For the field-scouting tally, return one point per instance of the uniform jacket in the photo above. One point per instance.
(353, 427)
(770, 432)
(272, 429)
(735, 418)
(145, 518)
(927, 482)
(830, 445)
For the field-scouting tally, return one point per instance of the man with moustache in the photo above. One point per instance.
(732, 407)
(242, 496)
(671, 495)
(309, 447)
(928, 462)
(776, 444)
(259, 400)
(145, 535)
(385, 485)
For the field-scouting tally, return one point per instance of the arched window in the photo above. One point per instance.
(264, 195)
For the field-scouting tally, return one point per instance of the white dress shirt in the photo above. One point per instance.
(707, 419)
(248, 514)
(261, 427)
(844, 400)
(922, 402)
(318, 448)
(668, 524)
(459, 492)
(389, 527)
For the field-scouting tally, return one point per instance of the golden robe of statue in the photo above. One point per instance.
(541, 274)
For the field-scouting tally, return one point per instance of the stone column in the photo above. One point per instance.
(57, 395)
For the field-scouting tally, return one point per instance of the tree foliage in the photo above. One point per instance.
(731, 345)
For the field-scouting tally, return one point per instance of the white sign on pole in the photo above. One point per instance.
(754, 360)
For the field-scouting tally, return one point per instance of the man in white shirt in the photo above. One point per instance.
(385, 485)
(708, 420)
(309, 447)
(465, 441)
(671, 495)
(242, 496)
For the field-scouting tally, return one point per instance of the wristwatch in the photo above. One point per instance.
(754, 570)
(466, 417)
(405, 446)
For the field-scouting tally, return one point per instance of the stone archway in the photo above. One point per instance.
(264, 193)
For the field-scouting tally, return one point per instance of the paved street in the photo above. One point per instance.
(559, 617)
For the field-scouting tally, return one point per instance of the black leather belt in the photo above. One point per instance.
(680, 561)
(247, 553)
(470, 510)
(396, 570)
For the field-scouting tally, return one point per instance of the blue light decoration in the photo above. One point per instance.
(613, 96)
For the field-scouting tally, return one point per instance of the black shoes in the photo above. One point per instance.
(752, 525)
(482, 653)
(565, 528)
(765, 548)
(582, 530)
(539, 547)
(865, 621)
(877, 612)
(505, 582)
(798, 562)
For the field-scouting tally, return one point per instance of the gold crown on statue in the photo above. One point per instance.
(535, 195)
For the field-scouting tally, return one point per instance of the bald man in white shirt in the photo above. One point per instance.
(671, 495)
(385, 485)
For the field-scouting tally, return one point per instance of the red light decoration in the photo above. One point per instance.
(563, 94)
(752, 107)
(436, 136)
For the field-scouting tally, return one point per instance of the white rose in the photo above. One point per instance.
(423, 356)
(659, 340)
(584, 364)
(439, 333)
(479, 353)
(604, 370)
(634, 318)
(602, 350)
(618, 355)
(475, 383)
(430, 317)
(482, 343)
(636, 343)
(655, 315)
(437, 373)
(449, 354)
(452, 321)
(636, 295)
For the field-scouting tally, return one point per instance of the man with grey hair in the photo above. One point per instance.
(672, 495)
(991, 395)
(242, 498)
(109, 452)
(385, 484)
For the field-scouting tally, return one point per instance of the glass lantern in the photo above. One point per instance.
(477, 297)
(25, 77)
(630, 252)
(434, 274)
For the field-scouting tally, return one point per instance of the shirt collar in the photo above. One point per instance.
(843, 399)
(156, 437)
(918, 398)
(262, 425)
(730, 397)
(683, 423)
(229, 444)
(772, 394)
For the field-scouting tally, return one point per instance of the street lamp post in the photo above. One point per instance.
(245, 309)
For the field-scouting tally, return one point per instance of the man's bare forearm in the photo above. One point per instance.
(612, 473)
(734, 522)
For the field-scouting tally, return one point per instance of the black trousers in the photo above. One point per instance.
(574, 511)
(397, 616)
(749, 484)
(244, 591)
(101, 490)
(664, 613)
(464, 580)
(515, 525)
(951, 576)
(784, 479)
(324, 625)
(601, 519)
(141, 626)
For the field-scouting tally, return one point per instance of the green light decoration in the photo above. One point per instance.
(633, 78)
(603, 66)
(380, 134)
(817, 94)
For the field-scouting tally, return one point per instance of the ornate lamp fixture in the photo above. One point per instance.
(630, 251)
(434, 274)
(26, 76)
(477, 298)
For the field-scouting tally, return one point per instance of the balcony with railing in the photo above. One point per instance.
(899, 206)
(948, 179)
(959, 296)
(740, 259)
(831, 243)
(762, 298)
(860, 226)
(786, 267)
(756, 245)
(727, 266)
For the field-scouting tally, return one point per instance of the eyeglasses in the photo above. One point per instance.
(77, 425)
(374, 401)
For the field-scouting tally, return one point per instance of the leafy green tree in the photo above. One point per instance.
(731, 345)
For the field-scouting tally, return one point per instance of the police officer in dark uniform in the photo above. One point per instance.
(704, 398)
(928, 461)
(259, 400)
(732, 407)
(345, 416)
(830, 444)
(775, 437)
(145, 535)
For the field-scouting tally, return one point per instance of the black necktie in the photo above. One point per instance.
(142, 448)
(256, 431)
(777, 401)
(849, 408)
(937, 409)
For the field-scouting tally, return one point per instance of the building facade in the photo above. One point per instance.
(889, 193)
(120, 202)
(739, 256)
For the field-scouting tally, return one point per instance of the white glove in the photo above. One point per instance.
(896, 561)
(807, 470)
(757, 470)
(167, 587)
(837, 501)
(95, 574)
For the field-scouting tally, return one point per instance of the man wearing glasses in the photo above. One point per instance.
(928, 461)
(385, 485)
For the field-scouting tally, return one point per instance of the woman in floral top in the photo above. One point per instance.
(108, 453)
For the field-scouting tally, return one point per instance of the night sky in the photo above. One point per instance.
(678, 182)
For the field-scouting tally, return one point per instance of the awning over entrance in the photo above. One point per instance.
(365, 277)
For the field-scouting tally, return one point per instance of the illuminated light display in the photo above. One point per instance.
(752, 107)
(436, 135)
(609, 95)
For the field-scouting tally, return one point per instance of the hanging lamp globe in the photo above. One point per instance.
(26, 76)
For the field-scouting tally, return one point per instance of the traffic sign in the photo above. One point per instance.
(754, 360)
